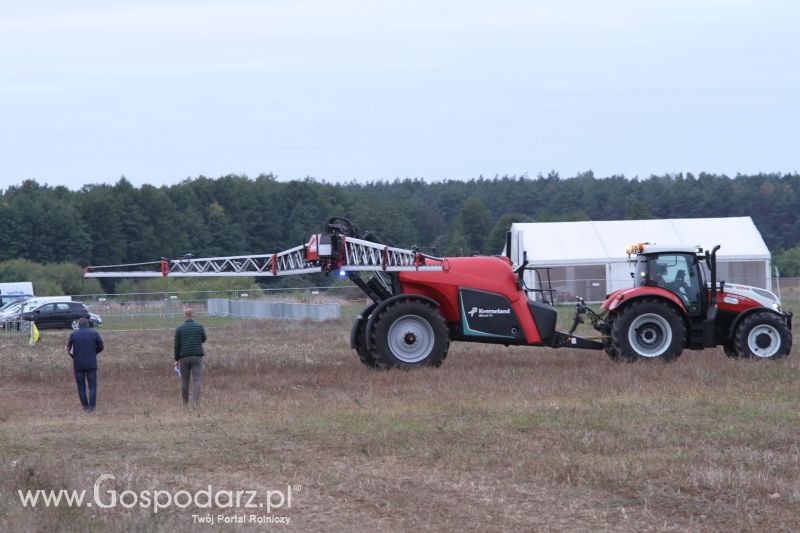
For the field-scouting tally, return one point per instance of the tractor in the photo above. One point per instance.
(676, 303)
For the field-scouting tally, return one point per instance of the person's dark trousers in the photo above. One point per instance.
(82, 376)
(191, 365)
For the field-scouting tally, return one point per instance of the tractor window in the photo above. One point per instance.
(676, 273)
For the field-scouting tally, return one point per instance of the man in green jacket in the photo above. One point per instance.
(189, 339)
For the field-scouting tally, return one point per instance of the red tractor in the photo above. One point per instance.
(421, 303)
(675, 303)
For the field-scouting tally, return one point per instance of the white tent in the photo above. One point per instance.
(588, 259)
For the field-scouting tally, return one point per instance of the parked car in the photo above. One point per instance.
(59, 315)
(10, 314)
(12, 303)
(11, 310)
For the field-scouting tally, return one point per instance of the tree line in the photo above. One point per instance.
(231, 215)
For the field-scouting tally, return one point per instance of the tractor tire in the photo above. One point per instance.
(364, 355)
(613, 353)
(611, 350)
(649, 329)
(409, 334)
(729, 350)
(762, 335)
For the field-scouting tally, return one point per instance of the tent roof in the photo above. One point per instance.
(603, 241)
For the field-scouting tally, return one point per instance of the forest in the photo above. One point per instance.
(232, 215)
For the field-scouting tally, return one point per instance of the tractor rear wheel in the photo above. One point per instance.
(408, 334)
(649, 329)
(613, 353)
(611, 350)
(763, 335)
(729, 350)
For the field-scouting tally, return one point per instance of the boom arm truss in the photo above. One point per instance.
(346, 253)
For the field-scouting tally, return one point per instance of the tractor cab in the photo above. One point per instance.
(677, 269)
(689, 273)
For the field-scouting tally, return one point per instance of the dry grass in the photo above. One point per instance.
(497, 439)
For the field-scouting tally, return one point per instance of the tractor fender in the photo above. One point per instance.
(358, 320)
(744, 314)
(621, 298)
(385, 303)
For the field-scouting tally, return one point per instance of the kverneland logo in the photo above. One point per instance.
(487, 313)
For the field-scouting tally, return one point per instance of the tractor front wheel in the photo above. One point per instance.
(763, 336)
(649, 329)
(408, 334)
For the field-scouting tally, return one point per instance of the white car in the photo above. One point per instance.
(11, 310)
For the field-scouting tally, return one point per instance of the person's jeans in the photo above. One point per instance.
(191, 365)
(82, 376)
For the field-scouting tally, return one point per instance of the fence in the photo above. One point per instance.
(14, 332)
(283, 310)
(164, 310)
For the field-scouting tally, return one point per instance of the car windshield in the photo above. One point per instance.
(13, 308)
(10, 306)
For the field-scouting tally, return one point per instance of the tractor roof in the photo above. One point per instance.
(653, 248)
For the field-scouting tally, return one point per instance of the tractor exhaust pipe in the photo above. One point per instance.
(712, 266)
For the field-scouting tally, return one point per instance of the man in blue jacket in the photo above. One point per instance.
(84, 345)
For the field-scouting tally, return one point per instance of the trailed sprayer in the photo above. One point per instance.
(420, 303)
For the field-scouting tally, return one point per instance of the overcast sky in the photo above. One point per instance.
(349, 89)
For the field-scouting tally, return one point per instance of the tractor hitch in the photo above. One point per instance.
(598, 321)
(567, 340)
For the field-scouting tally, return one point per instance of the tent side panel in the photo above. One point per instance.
(755, 273)
(620, 276)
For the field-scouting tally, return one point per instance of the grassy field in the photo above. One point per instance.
(496, 439)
